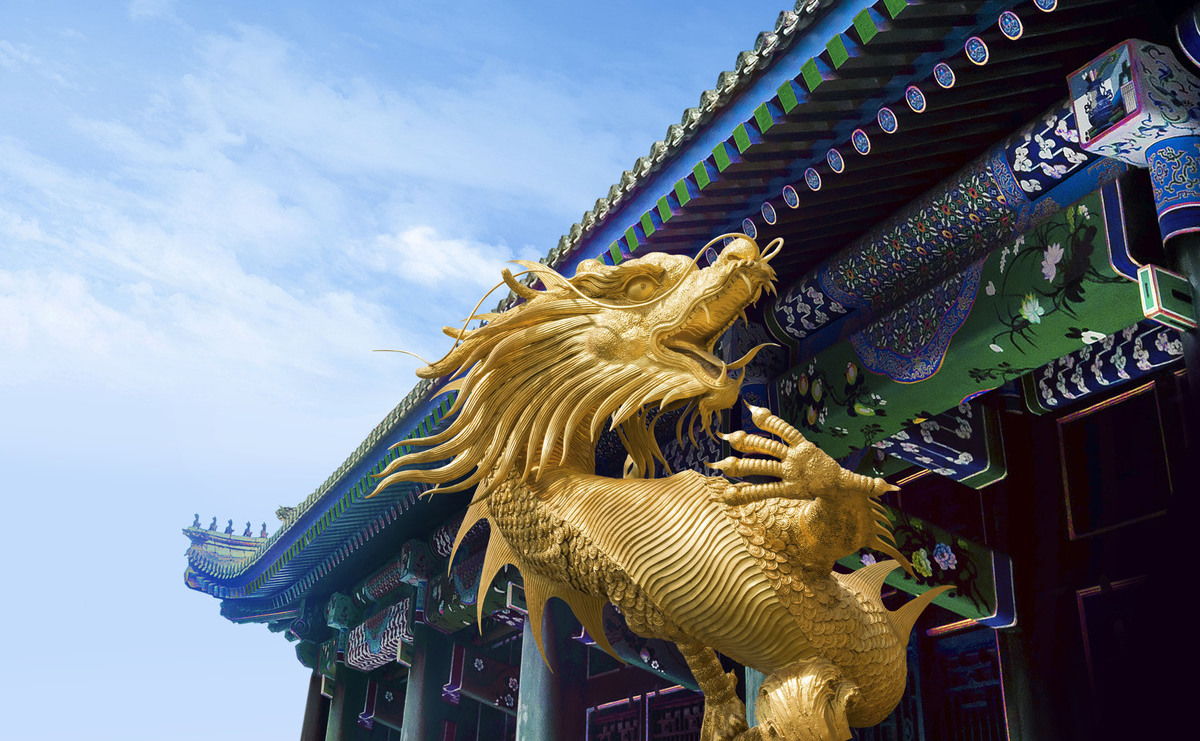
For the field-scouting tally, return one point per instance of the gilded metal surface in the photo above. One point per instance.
(709, 562)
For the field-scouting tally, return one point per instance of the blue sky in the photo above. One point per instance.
(210, 213)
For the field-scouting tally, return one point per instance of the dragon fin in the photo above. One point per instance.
(588, 610)
(868, 581)
(499, 554)
(537, 592)
(883, 545)
(476, 512)
(902, 620)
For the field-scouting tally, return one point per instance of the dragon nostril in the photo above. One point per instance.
(742, 248)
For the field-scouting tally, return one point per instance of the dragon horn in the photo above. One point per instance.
(517, 287)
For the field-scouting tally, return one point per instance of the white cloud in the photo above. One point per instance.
(139, 9)
(270, 224)
(421, 255)
(244, 240)
(487, 129)
(144, 287)
(217, 253)
(15, 56)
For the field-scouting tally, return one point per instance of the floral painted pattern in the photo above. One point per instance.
(961, 444)
(910, 343)
(1050, 260)
(944, 557)
(803, 308)
(938, 557)
(809, 396)
(1047, 152)
(1031, 310)
(1019, 322)
(1062, 251)
(1034, 167)
(1101, 364)
(920, 562)
(956, 227)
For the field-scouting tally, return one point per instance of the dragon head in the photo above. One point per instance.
(615, 345)
(662, 315)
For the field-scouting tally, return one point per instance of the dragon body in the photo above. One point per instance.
(739, 563)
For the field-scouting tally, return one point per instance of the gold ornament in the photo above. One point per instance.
(712, 564)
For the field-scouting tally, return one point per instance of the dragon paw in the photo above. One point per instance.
(723, 721)
(802, 470)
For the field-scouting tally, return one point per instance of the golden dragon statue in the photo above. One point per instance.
(743, 565)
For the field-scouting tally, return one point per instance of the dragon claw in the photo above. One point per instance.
(721, 464)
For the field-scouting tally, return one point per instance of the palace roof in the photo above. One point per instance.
(839, 115)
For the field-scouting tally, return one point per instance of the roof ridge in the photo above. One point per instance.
(419, 393)
(729, 83)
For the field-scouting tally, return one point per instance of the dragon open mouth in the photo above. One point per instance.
(702, 356)
(713, 314)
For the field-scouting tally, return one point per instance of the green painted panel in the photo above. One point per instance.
(682, 193)
(722, 157)
(1167, 298)
(741, 137)
(614, 250)
(896, 7)
(1032, 297)
(789, 96)
(647, 222)
(811, 73)
(838, 53)
(327, 658)
(764, 118)
(664, 206)
(631, 239)
(700, 172)
(865, 24)
(939, 558)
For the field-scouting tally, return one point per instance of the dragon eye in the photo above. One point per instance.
(640, 289)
